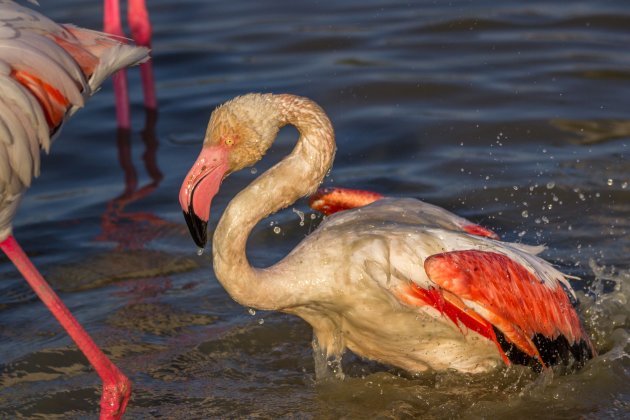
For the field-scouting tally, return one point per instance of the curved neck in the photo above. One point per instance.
(295, 176)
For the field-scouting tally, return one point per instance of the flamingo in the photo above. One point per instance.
(397, 281)
(140, 28)
(47, 71)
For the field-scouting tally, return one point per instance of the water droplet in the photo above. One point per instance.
(525, 213)
(277, 230)
(515, 187)
(253, 170)
(609, 182)
(200, 251)
(550, 185)
(261, 321)
(624, 185)
(300, 215)
(313, 216)
(251, 311)
(521, 234)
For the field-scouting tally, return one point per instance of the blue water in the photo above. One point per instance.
(513, 114)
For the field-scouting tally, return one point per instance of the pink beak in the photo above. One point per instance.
(199, 187)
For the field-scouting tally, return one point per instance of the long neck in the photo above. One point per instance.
(295, 176)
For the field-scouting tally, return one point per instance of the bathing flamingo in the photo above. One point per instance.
(397, 281)
(140, 27)
(47, 71)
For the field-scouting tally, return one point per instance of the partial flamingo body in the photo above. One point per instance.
(47, 71)
(398, 280)
(331, 200)
(140, 28)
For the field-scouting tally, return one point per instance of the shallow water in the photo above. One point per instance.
(514, 115)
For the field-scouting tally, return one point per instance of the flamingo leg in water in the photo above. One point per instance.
(113, 25)
(116, 386)
(140, 26)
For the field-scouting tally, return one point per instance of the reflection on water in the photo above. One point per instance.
(129, 231)
(510, 114)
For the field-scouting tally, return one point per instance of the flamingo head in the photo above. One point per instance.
(238, 135)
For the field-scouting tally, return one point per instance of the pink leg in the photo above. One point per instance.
(138, 18)
(116, 386)
(113, 25)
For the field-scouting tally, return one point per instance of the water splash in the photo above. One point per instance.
(300, 215)
(200, 251)
(326, 367)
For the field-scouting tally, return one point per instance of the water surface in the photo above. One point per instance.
(512, 114)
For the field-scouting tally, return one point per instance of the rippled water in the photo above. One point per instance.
(512, 114)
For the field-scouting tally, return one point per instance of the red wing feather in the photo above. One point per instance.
(54, 104)
(457, 311)
(510, 297)
(334, 199)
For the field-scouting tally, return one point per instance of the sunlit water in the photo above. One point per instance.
(513, 114)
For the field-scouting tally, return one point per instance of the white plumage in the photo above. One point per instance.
(47, 71)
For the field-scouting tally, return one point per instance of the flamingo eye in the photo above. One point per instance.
(229, 141)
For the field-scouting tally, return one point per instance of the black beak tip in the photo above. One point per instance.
(198, 228)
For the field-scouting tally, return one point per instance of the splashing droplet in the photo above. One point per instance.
(525, 213)
(261, 321)
(277, 230)
(254, 171)
(300, 215)
(251, 311)
(550, 185)
(609, 182)
(200, 251)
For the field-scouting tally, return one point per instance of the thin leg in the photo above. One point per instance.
(140, 26)
(116, 386)
(113, 25)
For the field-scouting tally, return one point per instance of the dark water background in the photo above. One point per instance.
(513, 114)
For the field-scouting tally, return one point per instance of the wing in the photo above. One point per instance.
(530, 313)
(507, 295)
(512, 298)
(334, 199)
(46, 73)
